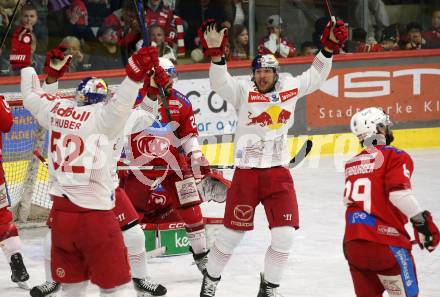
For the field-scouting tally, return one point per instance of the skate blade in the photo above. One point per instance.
(143, 294)
(24, 285)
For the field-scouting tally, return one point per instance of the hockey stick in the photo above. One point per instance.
(156, 252)
(8, 28)
(299, 157)
(40, 157)
(330, 13)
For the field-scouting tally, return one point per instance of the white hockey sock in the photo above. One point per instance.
(10, 246)
(277, 254)
(134, 240)
(222, 250)
(47, 245)
(114, 292)
(197, 240)
(74, 290)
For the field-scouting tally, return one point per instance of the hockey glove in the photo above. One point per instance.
(141, 62)
(214, 187)
(425, 231)
(213, 42)
(21, 48)
(199, 165)
(334, 35)
(57, 63)
(161, 78)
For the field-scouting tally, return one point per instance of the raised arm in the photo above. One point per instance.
(223, 83)
(333, 37)
(112, 117)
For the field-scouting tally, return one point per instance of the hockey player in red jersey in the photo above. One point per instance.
(87, 242)
(160, 145)
(265, 106)
(9, 240)
(379, 203)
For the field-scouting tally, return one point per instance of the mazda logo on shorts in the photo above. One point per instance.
(243, 212)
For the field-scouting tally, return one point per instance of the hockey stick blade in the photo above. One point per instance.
(301, 154)
(156, 252)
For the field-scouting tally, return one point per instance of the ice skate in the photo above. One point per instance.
(48, 289)
(200, 259)
(145, 287)
(19, 273)
(209, 285)
(267, 289)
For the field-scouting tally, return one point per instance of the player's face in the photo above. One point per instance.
(264, 79)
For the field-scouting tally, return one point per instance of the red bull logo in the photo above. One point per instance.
(274, 118)
(287, 95)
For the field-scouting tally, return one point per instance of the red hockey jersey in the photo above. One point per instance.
(369, 179)
(156, 145)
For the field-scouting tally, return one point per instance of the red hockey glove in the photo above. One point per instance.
(57, 63)
(213, 42)
(334, 35)
(161, 78)
(425, 231)
(199, 165)
(21, 48)
(141, 62)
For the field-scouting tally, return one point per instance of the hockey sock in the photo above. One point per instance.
(47, 245)
(222, 250)
(10, 246)
(277, 254)
(197, 239)
(134, 240)
(74, 290)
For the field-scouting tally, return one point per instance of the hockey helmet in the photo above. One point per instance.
(364, 123)
(265, 61)
(169, 68)
(91, 90)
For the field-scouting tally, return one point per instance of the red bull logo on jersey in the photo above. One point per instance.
(255, 97)
(274, 118)
(287, 95)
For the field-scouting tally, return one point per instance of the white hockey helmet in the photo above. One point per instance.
(91, 90)
(169, 68)
(364, 123)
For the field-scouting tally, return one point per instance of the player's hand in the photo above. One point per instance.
(141, 62)
(213, 41)
(425, 231)
(57, 62)
(199, 165)
(334, 35)
(21, 48)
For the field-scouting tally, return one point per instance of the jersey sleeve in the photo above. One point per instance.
(38, 102)
(228, 87)
(5, 115)
(399, 171)
(111, 118)
(311, 79)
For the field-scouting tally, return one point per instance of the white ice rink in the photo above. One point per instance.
(316, 267)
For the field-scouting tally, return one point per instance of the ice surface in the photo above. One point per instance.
(316, 266)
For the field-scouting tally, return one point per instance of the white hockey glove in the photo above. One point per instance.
(213, 41)
(214, 187)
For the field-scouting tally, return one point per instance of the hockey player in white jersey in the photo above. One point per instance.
(140, 118)
(86, 239)
(265, 108)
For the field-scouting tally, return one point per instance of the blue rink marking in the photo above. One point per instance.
(407, 270)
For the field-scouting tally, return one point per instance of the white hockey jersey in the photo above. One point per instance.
(81, 140)
(264, 119)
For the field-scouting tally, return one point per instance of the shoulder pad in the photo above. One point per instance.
(182, 97)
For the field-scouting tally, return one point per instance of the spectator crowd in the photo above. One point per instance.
(102, 34)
